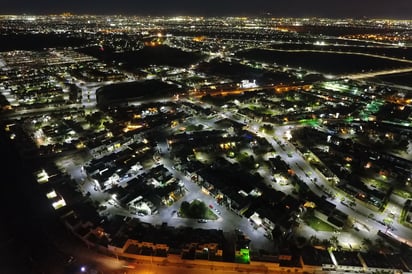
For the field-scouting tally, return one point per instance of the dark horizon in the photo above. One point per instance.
(396, 9)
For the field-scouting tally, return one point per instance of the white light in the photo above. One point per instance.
(59, 204)
(52, 194)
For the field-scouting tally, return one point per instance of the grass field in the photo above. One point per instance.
(318, 224)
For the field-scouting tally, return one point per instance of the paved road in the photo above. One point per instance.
(358, 213)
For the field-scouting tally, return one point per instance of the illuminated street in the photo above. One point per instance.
(241, 143)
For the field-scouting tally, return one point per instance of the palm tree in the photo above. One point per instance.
(326, 243)
(367, 243)
(314, 240)
(379, 244)
(334, 241)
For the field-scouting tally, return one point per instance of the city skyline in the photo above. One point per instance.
(398, 9)
(205, 144)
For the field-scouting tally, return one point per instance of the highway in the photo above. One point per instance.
(345, 53)
(371, 74)
(359, 75)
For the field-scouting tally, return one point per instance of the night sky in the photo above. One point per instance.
(401, 9)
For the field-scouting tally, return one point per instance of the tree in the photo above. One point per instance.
(184, 206)
(379, 244)
(197, 209)
(367, 243)
(334, 241)
(314, 240)
(326, 243)
(300, 240)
